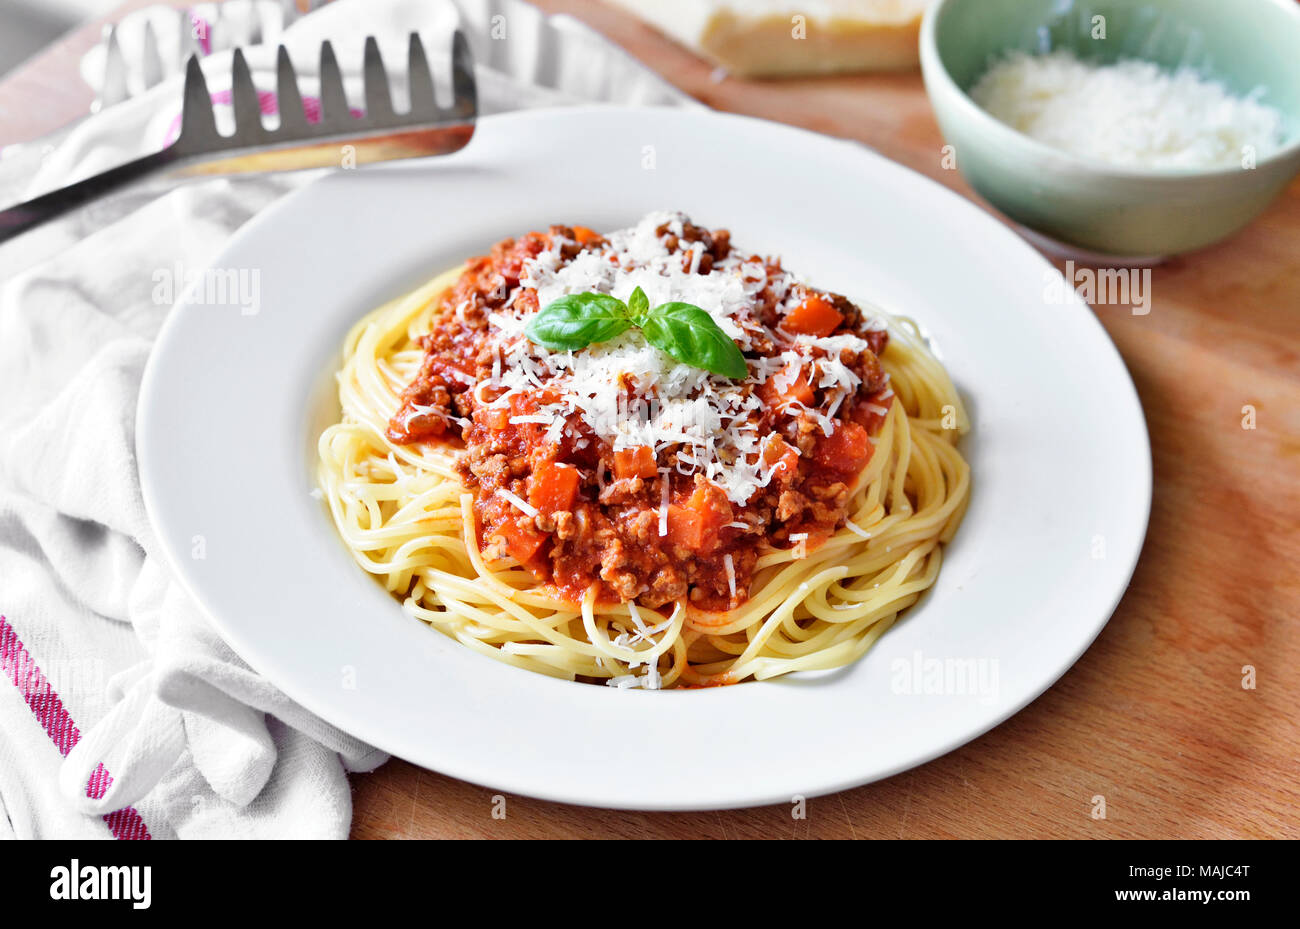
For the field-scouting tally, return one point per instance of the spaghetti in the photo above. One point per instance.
(819, 552)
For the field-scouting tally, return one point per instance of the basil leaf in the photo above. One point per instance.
(690, 335)
(578, 320)
(681, 330)
(638, 305)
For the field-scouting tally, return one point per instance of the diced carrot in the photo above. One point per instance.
(522, 540)
(782, 457)
(496, 418)
(635, 462)
(800, 389)
(816, 316)
(846, 450)
(685, 527)
(774, 449)
(531, 402)
(698, 524)
(554, 487)
(584, 235)
(872, 419)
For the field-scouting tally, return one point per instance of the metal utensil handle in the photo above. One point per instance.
(18, 219)
(377, 134)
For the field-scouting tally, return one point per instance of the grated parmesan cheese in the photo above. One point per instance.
(518, 502)
(856, 529)
(663, 505)
(708, 421)
(1131, 113)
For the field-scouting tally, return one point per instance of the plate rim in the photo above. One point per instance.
(507, 780)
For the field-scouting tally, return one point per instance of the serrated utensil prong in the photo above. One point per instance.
(379, 101)
(338, 139)
(198, 122)
(420, 81)
(334, 111)
(463, 87)
(287, 97)
(244, 101)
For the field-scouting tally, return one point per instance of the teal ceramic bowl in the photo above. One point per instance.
(1088, 204)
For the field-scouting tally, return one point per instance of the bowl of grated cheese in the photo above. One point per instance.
(1119, 127)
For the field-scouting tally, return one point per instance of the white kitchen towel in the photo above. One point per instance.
(103, 658)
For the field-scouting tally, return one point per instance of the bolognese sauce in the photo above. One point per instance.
(619, 467)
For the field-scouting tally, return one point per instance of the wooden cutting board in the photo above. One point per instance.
(1154, 718)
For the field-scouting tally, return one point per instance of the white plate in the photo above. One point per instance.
(232, 404)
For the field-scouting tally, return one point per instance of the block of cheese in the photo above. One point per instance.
(771, 38)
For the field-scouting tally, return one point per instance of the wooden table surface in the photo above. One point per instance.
(1154, 717)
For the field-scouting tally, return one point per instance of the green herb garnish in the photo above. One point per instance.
(681, 330)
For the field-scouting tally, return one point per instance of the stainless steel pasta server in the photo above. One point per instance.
(379, 134)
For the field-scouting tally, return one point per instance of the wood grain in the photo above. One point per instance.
(1154, 717)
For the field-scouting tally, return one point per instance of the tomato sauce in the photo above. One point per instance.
(642, 523)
